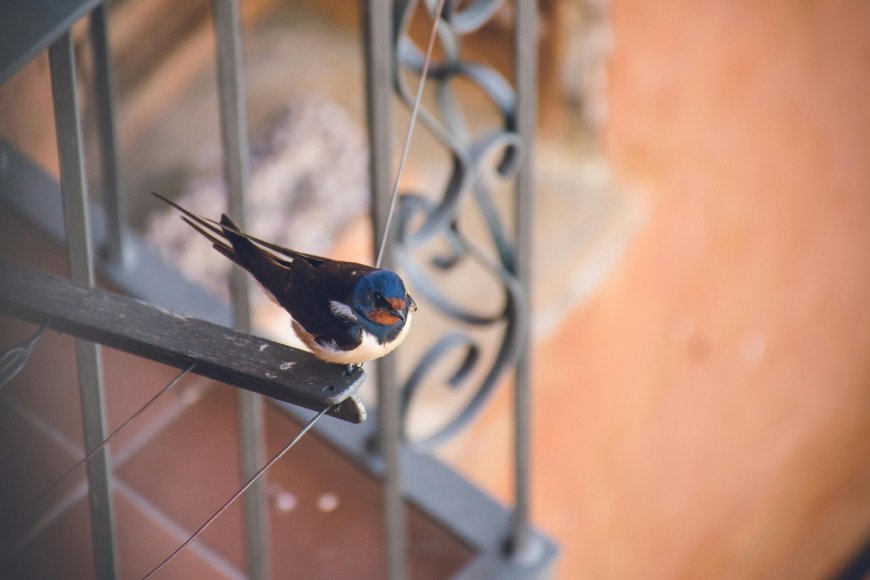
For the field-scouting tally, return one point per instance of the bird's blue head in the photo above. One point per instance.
(379, 297)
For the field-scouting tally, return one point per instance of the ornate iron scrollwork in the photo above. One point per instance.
(422, 220)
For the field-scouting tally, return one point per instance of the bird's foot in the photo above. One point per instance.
(352, 368)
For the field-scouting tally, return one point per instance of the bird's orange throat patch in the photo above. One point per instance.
(383, 317)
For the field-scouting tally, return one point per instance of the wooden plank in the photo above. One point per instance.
(245, 361)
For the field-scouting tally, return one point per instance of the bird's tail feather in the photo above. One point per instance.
(208, 229)
(216, 233)
(246, 251)
(219, 244)
(264, 263)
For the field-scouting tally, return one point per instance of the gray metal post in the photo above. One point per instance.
(526, 66)
(234, 136)
(377, 17)
(88, 360)
(116, 250)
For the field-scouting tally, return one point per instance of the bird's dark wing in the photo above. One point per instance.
(305, 291)
(303, 284)
(310, 296)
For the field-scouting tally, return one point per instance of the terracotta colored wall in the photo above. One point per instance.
(723, 421)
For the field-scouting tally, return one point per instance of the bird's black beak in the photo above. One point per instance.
(399, 308)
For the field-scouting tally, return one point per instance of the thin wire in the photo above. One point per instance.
(15, 358)
(105, 442)
(407, 144)
(242, 490)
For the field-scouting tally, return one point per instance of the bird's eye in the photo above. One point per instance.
(378, 297)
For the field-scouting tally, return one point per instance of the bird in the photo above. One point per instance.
(344, 312)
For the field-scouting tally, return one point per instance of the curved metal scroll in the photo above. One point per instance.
(421, 220)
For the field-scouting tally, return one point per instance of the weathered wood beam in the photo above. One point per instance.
(220, 353)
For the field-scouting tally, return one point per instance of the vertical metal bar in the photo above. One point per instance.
(526, 65)
(377, 31)
(74, 193)
(116, 251)
(234, 136)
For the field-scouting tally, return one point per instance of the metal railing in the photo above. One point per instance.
(81, 263)
(505, 544)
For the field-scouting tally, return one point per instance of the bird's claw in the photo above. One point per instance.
(352, 368)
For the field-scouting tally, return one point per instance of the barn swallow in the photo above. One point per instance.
(344, 312)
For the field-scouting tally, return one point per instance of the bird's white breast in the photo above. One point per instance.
(369, 348)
